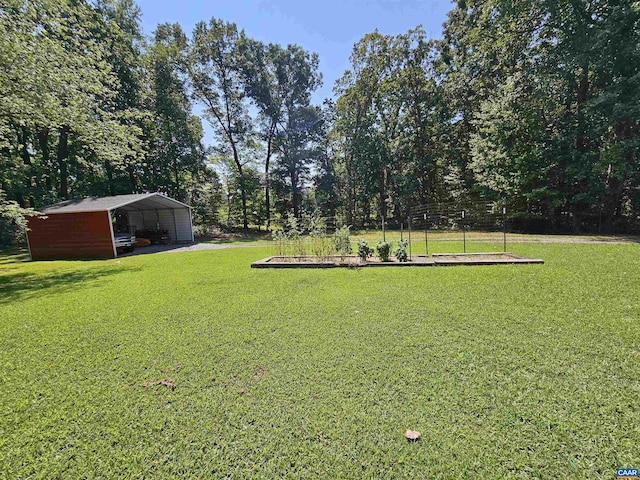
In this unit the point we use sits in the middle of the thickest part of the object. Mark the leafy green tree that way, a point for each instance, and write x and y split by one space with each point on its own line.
389 117
278 81
215 71
13 223
297 146
546 106
176 155
58 89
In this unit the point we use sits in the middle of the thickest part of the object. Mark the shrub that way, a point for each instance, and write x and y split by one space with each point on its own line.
384 250
201 230
294 236
279 237
320 244
341 241
13 222
401 251
364 250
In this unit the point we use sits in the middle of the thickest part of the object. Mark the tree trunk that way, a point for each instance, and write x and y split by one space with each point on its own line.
228 209
294 194
351 191
176 179
109 170
26 158
43 140
383 194
133 180
245 220
63 159
267 200
243 192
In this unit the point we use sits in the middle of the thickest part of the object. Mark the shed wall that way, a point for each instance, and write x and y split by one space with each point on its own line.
70 235
141 221
180 231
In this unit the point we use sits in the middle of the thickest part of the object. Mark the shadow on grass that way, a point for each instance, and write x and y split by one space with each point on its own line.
631 238
25 285
11 255
6 259
237 238
154 249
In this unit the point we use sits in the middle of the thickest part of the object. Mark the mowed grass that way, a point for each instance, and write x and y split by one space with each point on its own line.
528 371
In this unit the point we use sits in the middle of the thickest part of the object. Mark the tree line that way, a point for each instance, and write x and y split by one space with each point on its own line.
533 104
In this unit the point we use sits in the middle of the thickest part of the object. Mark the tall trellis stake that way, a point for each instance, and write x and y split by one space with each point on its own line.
426 235
464 235
504 229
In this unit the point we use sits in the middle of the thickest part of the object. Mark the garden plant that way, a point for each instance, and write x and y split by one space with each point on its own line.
383 250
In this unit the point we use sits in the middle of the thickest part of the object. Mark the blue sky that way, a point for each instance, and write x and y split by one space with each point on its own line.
327 27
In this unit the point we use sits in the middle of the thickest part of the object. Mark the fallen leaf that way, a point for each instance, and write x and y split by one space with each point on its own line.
412 435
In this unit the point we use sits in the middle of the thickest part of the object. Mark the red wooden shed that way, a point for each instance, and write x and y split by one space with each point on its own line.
87 228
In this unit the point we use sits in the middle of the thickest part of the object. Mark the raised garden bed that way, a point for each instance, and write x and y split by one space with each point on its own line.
438 259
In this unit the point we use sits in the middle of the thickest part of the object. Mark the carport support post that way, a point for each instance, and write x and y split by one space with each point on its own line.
113 237
175 226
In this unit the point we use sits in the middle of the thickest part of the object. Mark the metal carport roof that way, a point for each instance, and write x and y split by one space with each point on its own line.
142 201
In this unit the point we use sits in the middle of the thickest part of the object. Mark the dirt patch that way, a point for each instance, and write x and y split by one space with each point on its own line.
170 383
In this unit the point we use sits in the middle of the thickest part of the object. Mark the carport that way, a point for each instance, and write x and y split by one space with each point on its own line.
86 228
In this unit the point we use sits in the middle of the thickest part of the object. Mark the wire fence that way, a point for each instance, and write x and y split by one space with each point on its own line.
453 228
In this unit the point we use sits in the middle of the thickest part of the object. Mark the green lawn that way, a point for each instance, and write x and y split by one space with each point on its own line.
526 371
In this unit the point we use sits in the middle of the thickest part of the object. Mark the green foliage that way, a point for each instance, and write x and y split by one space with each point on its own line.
364 250
390 123
13 223
383 250
341 240
215 67
294 236
401 251
533 104
176 158
279 237
539 133
321 244
279 82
